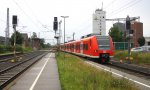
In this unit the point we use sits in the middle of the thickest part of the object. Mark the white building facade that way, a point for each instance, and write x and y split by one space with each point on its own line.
99 22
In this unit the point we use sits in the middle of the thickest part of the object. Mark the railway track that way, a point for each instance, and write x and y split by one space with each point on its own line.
10 71
8 56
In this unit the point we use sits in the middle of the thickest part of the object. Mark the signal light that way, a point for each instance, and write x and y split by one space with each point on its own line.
55 24
128 24
14 20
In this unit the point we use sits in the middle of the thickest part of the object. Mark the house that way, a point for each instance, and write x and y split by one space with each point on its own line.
25 42
2 40
36 43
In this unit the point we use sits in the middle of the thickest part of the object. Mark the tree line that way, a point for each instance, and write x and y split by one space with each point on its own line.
119 36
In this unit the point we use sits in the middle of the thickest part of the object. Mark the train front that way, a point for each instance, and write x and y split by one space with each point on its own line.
106 48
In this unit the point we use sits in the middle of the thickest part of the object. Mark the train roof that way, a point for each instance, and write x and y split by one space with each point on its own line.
92 34
88 36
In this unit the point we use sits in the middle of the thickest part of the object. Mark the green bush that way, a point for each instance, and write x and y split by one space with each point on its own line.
1 48
8 48
19 48
27 49
138 57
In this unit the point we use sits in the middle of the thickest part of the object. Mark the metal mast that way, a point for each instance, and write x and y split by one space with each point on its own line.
7 29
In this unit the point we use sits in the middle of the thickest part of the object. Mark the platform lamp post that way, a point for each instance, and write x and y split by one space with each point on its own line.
14 23
64 28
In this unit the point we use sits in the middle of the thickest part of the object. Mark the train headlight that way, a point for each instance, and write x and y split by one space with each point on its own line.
95 50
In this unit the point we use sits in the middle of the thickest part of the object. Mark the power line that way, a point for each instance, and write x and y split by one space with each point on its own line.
25 14
110 4
127 5
33 13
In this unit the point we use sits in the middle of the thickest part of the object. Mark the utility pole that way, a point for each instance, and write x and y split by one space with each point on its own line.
64 30
128 27
7 29
64 25
60 33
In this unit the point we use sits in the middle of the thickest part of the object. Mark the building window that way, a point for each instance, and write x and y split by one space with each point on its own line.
148 43
103 17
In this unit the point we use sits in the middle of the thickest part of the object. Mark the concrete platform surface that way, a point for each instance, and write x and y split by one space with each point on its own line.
42 76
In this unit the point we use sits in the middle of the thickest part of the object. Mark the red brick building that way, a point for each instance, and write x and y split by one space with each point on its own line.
35 43
25 39
137 28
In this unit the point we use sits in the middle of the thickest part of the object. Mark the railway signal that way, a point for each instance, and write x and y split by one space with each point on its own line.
128 23
55 24
128 28
14 23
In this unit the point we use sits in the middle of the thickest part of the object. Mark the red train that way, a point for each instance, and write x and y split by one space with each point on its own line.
93 45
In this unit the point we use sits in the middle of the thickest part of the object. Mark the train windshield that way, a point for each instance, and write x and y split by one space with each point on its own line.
103 42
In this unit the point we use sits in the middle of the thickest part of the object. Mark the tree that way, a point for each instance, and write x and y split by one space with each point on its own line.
34 35
116 34
19 38
42 41
141 41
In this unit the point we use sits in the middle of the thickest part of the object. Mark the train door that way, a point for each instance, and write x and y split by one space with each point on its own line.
74 47
90 47
81 47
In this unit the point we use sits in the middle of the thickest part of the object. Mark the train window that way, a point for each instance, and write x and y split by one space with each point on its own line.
81 46
103 42
86 46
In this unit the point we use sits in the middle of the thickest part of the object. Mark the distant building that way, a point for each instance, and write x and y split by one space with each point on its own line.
137 28
2 40
35 43
25 42
147 41
99 22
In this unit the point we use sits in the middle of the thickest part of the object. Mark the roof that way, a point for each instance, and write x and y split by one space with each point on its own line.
24 35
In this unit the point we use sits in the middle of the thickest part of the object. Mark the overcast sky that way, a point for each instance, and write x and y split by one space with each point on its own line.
37 15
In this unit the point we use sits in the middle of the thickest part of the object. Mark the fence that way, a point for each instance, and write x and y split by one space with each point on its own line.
122 45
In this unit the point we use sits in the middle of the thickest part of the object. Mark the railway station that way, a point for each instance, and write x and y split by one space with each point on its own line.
74 45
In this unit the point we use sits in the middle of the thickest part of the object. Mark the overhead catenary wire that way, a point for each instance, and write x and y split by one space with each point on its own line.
126 6
110 4
120 9
33 13
26 14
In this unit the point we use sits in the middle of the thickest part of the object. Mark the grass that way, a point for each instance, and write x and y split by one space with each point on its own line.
76 75
138 58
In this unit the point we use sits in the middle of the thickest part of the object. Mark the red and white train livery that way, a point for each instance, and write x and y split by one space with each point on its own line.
93 46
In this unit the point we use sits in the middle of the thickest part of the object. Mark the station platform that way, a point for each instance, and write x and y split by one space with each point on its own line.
41 76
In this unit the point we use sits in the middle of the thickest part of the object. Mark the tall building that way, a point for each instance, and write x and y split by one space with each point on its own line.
137 28
99 22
